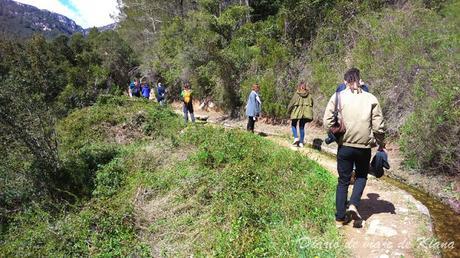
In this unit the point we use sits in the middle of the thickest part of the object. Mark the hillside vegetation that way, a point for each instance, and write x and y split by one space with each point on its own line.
145 185
88 172
42 82
408 52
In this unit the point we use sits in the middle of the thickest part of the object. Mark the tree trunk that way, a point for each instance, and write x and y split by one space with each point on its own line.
248 17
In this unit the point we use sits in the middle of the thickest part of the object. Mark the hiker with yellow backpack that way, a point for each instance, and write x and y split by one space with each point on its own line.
187 98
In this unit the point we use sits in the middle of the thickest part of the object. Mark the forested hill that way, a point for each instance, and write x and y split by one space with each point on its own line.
19 20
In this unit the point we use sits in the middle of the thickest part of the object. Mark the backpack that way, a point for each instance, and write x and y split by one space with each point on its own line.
187 94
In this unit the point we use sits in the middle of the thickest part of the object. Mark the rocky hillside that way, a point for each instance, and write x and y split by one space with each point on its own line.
22 21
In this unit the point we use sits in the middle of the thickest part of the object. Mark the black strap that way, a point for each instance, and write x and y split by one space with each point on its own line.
336 108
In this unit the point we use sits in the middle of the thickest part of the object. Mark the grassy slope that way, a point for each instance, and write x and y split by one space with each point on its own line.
159 189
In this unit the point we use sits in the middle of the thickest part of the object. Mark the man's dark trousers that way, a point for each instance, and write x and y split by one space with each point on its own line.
346 157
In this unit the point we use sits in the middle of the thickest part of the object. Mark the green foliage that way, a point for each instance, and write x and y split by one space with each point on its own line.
101 228
254 199
426 136
218 54
88 139
97 171
110 178
407 57
98 64
42 81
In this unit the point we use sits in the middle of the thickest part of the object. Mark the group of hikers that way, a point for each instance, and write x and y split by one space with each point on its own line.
353 118
142 89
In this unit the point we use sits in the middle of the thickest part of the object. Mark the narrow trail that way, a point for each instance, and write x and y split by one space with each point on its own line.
394 220
396 224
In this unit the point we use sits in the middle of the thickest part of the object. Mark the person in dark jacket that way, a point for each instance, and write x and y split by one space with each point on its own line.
161 92
135 89
301 112
253 107
343 86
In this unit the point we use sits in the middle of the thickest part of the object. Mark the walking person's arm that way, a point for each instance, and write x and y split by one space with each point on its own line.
328 119
292 103
258 106
378 125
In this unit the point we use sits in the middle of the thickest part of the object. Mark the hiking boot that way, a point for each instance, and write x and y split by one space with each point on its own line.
343 222
296 142
339 223
353 214
301 145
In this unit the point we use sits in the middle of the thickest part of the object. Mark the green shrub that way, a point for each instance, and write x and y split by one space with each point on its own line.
79 167
428 139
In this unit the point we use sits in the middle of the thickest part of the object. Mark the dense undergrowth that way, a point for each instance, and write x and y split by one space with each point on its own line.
150 186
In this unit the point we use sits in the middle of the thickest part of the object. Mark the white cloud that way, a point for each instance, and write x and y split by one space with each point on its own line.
96 12
90 13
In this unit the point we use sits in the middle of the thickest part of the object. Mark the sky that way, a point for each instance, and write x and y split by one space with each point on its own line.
86 13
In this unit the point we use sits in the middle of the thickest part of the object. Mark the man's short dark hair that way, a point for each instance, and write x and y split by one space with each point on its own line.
352 75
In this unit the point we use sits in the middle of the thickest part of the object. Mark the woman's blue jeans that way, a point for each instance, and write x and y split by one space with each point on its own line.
302 123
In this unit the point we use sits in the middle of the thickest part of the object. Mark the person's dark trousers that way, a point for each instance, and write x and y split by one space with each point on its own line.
251 123
188 108
346 157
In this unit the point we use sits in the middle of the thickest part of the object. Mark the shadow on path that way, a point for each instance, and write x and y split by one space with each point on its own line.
373 205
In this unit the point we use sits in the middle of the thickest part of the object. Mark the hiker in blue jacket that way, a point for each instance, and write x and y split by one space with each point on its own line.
253 107
145 89
343 86
161 92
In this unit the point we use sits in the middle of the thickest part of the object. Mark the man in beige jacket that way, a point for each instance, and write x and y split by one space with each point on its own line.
365 128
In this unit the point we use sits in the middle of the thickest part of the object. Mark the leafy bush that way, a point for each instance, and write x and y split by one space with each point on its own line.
99 219
88 139
42 81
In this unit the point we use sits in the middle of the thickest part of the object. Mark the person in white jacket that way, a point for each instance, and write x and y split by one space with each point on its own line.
361 113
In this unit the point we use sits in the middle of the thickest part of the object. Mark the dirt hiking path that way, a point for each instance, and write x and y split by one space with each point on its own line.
396 224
